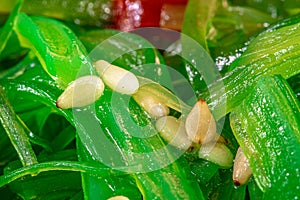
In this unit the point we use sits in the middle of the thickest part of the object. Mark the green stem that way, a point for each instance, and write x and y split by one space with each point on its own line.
15 132
56 166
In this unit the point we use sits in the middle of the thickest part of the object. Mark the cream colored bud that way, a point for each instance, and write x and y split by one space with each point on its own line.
173 131
117 78
118 198
217 153
151 105
101 66
241 168
200 124
81 92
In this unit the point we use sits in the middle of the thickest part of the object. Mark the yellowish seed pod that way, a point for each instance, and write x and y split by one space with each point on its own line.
217 153
117 78
200 124
153 106
173 131
118 198
81 92
241 168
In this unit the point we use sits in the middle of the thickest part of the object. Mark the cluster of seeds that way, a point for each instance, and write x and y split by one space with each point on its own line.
197 130
87 89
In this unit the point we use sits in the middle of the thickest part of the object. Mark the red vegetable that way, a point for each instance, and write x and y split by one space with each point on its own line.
131 14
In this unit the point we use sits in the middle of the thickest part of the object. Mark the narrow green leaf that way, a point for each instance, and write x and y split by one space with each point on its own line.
198 14
56 166
266 125
8 27
275 51
58 49
16 132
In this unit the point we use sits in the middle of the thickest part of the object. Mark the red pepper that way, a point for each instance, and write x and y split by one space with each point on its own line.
131 14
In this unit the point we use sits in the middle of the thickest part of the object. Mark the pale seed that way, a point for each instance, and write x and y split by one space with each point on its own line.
217 153
117 78
151 105
241 168
81 92
173 131
200 124
118 198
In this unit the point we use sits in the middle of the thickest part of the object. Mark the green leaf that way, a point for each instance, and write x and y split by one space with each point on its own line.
224 188
99 187
142 152
275 51
231 29
172 182
51 179
220 186
8 152
48 185
197 16
8 27
266 125
127 50
203 170
34 84
254 191
59 51
89 13
295 84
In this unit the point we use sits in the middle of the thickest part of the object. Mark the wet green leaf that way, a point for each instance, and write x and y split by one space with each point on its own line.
266 126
